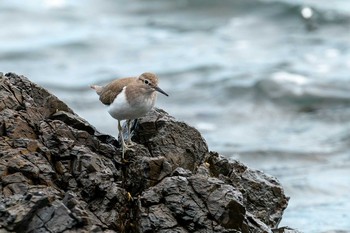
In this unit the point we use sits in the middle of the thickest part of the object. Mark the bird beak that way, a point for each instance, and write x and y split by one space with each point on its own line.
161 91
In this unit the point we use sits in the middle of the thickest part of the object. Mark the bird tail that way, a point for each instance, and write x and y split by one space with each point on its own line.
97 88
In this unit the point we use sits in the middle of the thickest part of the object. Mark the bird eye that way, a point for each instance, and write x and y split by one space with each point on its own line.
146 82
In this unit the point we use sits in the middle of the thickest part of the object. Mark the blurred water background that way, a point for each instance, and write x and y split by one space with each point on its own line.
265 81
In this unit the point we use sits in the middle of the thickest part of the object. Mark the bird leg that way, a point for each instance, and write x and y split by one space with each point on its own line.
120 129
129 142
124 146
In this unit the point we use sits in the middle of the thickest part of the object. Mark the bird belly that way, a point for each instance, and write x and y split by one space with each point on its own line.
120 108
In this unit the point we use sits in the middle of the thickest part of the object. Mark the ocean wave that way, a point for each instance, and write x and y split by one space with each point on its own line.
293 88
322 11
318 10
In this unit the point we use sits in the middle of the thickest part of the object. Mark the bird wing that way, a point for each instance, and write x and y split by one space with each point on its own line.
111 90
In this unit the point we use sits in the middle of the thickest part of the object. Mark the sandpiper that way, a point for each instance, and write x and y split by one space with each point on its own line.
129 98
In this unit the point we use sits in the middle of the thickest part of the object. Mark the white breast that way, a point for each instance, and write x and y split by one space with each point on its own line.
120 109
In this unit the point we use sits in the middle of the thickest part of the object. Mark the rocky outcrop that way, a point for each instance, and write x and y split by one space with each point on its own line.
59 174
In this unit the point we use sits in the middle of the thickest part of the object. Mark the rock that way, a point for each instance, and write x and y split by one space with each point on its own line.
287 230
263 195
59 174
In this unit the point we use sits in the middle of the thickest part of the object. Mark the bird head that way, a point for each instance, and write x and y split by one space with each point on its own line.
150 82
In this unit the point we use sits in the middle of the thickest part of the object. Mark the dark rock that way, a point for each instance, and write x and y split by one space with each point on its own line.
164 136
290 230
263 195
58 174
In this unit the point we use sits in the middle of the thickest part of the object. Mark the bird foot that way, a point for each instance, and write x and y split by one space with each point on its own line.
125 148
130 143
128 147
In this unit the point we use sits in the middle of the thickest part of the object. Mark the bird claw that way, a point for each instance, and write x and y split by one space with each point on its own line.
129 148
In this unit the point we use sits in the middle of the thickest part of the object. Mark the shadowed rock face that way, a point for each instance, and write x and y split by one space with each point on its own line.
58 174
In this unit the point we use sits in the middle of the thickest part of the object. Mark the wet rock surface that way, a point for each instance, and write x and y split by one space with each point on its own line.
59 174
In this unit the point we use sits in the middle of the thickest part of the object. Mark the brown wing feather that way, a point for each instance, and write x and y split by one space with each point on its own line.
111 90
